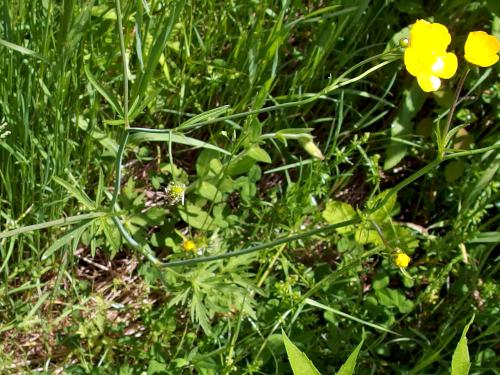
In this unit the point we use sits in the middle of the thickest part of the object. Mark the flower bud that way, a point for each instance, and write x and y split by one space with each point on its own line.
311 148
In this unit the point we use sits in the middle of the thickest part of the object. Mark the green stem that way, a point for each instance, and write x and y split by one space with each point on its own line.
54 223
125 62
444 138
268 245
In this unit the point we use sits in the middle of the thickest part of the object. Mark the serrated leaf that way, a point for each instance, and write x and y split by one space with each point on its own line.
349 365
460 362
336 212
301 365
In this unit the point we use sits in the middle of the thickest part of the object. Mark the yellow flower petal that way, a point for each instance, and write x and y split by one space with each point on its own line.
481 48
412 61
445 66
428 82
402 260
429 36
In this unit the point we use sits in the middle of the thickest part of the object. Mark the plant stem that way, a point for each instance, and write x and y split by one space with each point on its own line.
54 223
125 62
442 146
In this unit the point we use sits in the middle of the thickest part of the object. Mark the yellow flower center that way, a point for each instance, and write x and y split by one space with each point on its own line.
188 245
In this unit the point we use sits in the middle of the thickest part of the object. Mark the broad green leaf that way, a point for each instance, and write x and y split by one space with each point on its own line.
208 162
209 191
336 212
364 236
349 365
380 281
394 298
301 365
383 212
240 165
460 362
196 217
259 154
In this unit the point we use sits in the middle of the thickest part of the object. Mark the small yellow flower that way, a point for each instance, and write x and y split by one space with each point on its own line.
189 245
401 259
426 57
481 49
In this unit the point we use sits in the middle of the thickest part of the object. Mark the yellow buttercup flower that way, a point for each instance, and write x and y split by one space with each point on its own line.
189 245
481 49
426 57
401 259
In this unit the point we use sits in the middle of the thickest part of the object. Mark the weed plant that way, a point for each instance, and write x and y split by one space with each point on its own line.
201 187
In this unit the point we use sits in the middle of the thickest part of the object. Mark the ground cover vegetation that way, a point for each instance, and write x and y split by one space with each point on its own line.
249 187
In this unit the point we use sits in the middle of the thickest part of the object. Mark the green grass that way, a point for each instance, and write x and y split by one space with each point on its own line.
219 100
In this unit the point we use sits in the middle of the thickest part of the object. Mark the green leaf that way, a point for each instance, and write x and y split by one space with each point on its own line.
168 136
240 165
74 234
205 116
365 236
160 41
336 212
383 212
454 170
156 367
402 125
196 217
106 93
209 191
349 365
21 49
460 362
394 298
301 365
76 193
380 281
259 154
